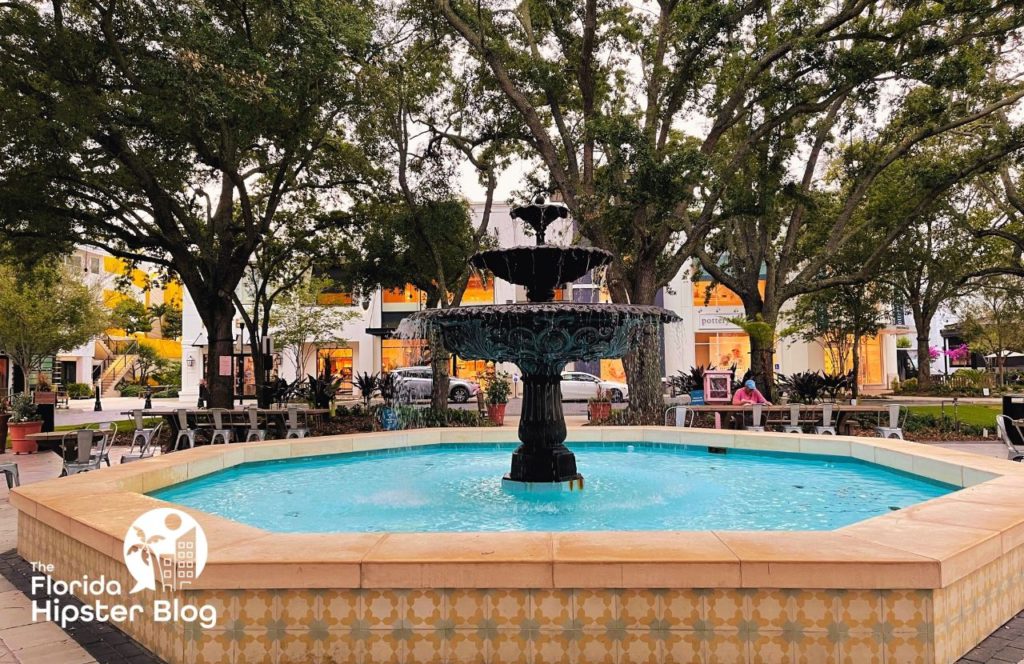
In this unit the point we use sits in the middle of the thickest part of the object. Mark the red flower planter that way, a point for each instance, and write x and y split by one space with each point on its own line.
600 411
18 432
496 413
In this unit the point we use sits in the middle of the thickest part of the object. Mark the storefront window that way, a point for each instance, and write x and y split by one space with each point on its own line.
870 362
475 370
329 299
398 353
706 295
245 377
337 361
4 376
478 292
613 370
723 349
408 295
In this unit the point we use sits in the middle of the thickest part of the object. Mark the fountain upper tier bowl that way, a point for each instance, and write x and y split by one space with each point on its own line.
541 337
542 268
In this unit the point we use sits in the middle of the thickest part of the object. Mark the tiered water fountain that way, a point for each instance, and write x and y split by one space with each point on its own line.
540 337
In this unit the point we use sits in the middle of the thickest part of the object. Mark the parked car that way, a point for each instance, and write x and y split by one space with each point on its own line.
580 386
418 382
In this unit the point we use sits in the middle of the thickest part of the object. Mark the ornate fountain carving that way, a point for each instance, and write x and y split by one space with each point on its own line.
540 336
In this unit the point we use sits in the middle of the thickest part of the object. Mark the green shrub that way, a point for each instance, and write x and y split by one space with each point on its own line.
411 417
168 393
79 390
127 390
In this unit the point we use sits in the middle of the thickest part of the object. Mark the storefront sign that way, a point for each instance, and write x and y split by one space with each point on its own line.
717 319
225 366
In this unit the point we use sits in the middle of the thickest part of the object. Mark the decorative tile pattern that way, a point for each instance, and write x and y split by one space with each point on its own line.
658 626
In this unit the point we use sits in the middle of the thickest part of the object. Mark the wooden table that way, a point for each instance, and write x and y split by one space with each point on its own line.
842 411
50 440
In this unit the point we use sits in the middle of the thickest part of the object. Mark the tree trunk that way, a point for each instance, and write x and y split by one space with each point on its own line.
440 359
643 373
924 361
217 315
762 365
855 353
259 367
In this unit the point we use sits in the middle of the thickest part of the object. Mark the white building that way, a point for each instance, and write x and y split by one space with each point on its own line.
703 337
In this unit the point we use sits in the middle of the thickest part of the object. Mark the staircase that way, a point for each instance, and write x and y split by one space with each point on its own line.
121 357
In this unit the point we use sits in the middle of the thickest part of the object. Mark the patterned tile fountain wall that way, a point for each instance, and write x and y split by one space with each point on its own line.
563 625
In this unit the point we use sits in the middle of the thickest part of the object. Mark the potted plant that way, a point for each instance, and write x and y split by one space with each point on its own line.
497 397
600 406
24 421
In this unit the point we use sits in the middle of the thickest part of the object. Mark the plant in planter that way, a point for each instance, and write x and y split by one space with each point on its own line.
368 385
320 392
697 383
497 397
388 385
24 420
600 406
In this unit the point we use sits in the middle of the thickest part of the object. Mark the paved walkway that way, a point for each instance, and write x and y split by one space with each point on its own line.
25 642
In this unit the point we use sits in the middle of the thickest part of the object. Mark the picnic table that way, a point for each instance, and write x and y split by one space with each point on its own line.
201 418
50 440
842 411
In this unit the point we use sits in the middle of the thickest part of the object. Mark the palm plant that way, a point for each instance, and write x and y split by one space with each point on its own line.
368 384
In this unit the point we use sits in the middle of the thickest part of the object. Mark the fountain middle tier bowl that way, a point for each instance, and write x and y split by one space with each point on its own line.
540 337
541 268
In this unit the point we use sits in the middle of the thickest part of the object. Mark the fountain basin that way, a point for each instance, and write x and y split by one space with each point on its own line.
541 268
921 584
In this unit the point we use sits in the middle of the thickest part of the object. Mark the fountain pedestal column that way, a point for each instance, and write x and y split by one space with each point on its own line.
542 457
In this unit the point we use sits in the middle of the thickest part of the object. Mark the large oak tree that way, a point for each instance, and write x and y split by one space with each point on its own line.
175 132
674 129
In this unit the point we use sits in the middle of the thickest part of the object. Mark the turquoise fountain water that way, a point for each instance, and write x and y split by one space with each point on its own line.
629 487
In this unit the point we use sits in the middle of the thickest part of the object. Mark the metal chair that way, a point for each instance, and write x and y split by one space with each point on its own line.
756 418
683 416
254 432
1003 424
185 431
109 430
829 420
294 429
142 432
794 425
145 441
897 417
84 458
10 471
219 429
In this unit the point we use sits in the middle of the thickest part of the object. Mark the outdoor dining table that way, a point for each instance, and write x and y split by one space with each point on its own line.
50 440
842 410
236 419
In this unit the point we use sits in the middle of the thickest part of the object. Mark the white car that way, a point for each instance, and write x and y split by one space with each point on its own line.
419 382
580 386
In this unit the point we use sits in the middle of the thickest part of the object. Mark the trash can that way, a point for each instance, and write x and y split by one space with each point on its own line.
1014 408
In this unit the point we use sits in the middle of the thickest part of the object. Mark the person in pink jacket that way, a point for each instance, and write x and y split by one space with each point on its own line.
749 395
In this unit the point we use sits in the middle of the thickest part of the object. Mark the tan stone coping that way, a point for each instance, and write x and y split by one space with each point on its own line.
929 545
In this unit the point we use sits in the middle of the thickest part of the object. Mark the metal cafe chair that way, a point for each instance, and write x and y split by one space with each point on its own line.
829 420
143 435
897 417
185 430
793 425
255 432
10 471
144 441
221 429
681 417
756 418
294 429
81 457
109 431
1003 424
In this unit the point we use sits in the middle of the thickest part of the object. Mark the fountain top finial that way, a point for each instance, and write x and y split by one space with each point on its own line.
540 214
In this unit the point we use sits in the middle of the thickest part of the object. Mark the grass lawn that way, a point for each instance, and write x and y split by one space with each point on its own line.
979 415
123 426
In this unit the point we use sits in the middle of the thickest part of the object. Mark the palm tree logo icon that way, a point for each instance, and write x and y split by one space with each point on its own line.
164 548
